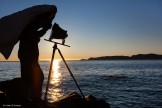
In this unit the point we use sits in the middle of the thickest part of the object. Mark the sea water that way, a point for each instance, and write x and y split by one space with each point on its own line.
123 84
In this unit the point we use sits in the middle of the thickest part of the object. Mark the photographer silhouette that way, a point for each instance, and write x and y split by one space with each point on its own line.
31 73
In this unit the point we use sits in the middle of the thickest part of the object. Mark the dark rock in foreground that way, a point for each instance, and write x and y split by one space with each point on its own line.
11 96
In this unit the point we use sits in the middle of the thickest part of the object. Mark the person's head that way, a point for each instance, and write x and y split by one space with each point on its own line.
44 19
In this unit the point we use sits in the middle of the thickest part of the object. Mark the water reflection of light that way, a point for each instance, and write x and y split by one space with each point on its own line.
55 69
56 79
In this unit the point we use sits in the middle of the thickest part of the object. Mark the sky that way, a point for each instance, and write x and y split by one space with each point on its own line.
98 27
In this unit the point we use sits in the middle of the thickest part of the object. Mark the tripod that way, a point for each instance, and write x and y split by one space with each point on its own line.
51 64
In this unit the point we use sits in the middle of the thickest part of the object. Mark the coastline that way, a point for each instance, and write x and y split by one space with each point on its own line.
133 57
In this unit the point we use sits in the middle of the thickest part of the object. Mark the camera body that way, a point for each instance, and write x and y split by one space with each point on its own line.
58 33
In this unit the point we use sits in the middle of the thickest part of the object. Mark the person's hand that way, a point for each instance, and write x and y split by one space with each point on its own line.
47 26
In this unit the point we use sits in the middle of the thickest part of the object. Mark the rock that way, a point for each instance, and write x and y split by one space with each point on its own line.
12 89
74 100
12 94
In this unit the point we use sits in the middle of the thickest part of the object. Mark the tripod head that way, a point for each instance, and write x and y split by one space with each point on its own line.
56 42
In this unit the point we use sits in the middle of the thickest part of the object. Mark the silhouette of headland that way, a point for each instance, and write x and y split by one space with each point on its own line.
133 57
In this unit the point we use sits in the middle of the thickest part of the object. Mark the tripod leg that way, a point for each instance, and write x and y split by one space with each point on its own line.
50 70
71 73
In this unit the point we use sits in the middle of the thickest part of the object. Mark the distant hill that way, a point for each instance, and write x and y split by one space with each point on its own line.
133 57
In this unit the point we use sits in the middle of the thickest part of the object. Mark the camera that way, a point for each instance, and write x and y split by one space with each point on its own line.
58 33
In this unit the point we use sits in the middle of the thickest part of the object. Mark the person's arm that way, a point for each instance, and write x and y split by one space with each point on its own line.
43 30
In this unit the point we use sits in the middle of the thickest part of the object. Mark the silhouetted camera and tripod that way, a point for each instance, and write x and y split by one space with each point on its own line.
58 33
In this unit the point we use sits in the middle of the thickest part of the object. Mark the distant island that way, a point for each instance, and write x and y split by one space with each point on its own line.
133 57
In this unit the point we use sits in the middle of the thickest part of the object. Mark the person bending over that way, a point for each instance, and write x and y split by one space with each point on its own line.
31 73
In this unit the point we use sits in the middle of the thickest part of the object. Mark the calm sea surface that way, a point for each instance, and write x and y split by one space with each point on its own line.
124 84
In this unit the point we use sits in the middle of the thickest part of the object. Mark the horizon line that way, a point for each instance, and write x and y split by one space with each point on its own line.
48 60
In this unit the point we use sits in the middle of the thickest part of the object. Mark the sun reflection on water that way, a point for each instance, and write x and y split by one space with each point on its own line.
55 91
